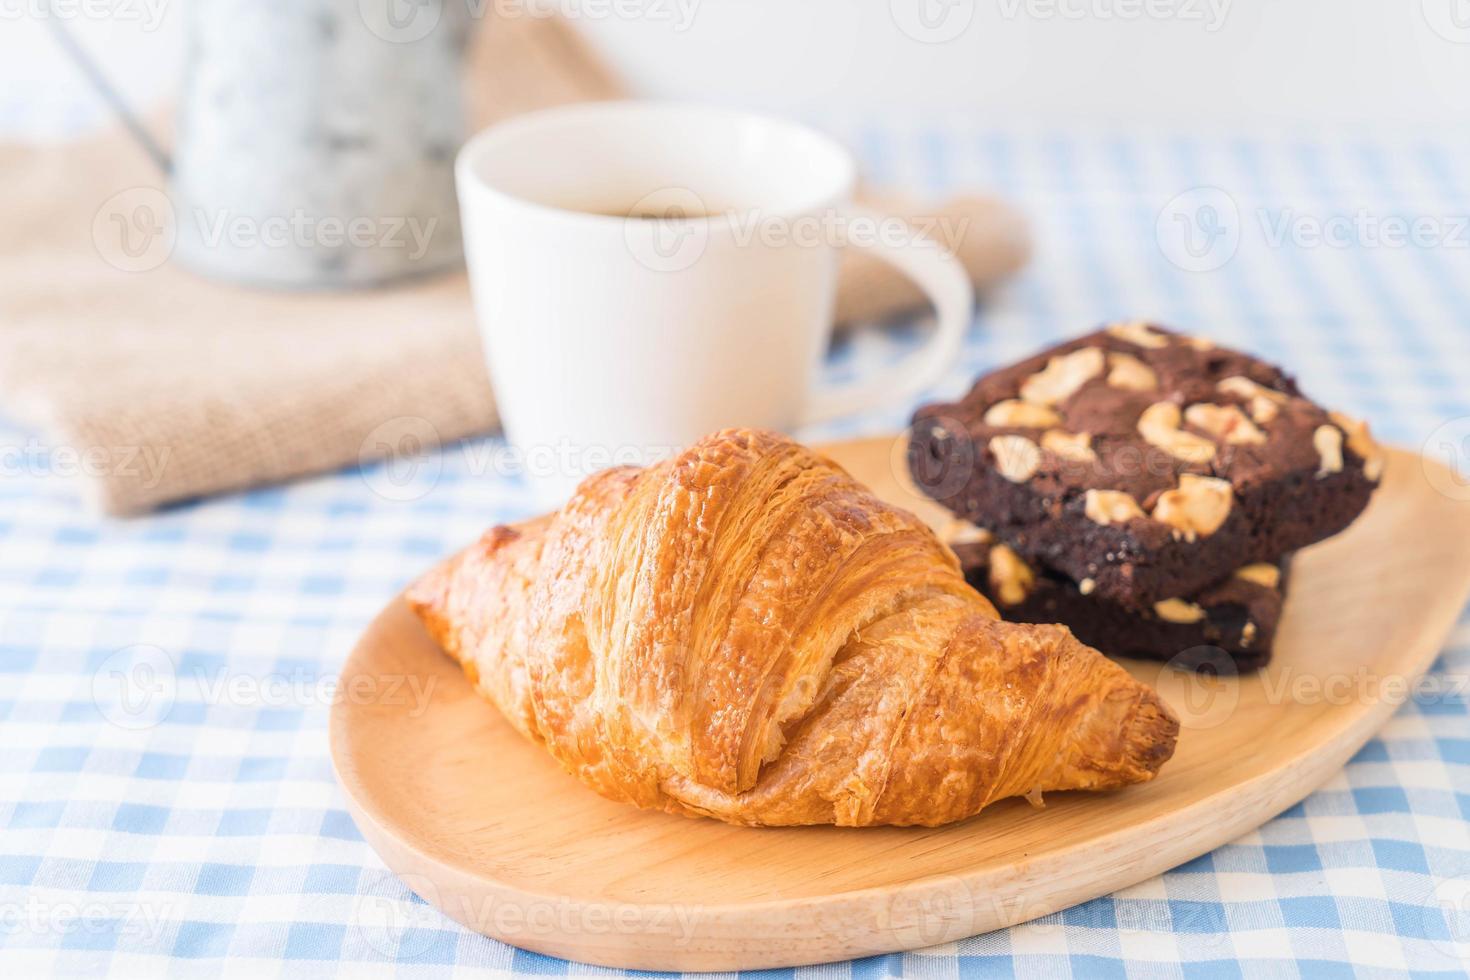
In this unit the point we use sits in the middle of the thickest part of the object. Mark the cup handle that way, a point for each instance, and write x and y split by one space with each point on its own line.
941 276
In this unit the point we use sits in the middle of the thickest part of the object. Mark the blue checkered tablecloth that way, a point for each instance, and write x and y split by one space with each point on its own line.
165 790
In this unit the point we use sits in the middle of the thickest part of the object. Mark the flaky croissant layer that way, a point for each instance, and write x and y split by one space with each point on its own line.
746 632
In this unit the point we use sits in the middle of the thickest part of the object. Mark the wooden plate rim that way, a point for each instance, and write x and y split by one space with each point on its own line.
1353 726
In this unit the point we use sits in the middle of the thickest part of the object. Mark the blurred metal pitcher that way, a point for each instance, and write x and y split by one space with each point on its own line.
316 140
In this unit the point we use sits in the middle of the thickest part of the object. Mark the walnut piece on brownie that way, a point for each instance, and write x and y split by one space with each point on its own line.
1229 626
1147 462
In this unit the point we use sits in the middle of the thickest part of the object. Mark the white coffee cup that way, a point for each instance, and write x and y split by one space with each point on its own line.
613 339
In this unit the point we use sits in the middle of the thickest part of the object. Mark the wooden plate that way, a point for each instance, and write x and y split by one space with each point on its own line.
487 828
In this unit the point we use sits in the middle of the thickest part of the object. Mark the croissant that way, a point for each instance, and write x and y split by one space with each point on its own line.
746 632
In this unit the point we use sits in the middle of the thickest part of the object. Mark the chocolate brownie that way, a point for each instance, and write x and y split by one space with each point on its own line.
1151 463
1230 625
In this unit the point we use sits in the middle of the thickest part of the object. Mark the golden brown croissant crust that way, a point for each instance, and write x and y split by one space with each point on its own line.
746 632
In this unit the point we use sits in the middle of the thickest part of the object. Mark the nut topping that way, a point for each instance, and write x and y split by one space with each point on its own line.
1026 415
1225 422
1261 573
961 531
1128 372
1246 388
1197 508
1159 426
1263 409
1110 507
1016 457
1327 440
1360 441
1139 333
1073 446
1011 578
1062 376
1264 403
1178 611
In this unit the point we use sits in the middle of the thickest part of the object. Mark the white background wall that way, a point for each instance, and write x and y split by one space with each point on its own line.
1379 63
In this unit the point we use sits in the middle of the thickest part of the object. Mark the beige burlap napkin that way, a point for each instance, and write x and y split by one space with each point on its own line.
155 385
